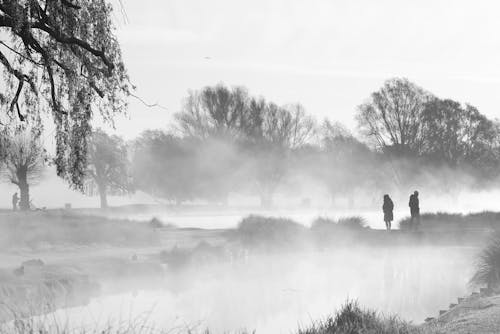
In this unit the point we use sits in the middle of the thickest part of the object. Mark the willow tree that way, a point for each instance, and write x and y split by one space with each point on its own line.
24 162
61 56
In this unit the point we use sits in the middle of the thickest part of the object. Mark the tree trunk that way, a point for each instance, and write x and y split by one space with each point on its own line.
24 202
103 196
24 189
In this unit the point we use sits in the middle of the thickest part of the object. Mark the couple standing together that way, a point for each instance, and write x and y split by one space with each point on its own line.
414 205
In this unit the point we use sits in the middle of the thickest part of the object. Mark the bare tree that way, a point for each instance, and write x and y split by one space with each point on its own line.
283 129
346 164
108 166
24 163
217 111
63 55
391 116
167 166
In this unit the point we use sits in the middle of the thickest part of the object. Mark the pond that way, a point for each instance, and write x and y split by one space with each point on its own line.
277 293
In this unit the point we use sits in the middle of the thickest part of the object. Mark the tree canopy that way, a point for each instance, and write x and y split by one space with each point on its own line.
166 166
108 166
391 116
61 56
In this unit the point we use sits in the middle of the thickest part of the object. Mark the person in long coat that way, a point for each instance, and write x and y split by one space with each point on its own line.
414 211
388 209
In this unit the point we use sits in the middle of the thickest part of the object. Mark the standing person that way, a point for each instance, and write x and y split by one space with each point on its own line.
414 211
388 208
15 200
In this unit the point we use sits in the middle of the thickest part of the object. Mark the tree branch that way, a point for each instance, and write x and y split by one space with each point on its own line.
20 54
69 4
147 104
61 38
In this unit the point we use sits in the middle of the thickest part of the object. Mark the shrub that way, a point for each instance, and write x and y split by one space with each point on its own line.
176 257
488 265
343 231
438 220
352 223
271 231
447 221
322 224
351 318
155 223
203 253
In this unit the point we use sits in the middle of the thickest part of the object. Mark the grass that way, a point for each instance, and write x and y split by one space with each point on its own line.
257 230
343 224
352 319
43 285
41 230
487 273
273 232
204 253
456 221
344 231
51 325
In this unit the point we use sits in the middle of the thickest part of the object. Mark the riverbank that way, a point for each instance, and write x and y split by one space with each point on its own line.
479 315
288 261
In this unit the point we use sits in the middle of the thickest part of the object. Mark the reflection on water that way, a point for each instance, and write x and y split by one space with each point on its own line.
277 293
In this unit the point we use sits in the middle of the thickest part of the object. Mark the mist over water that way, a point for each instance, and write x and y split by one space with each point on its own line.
431 201
279 292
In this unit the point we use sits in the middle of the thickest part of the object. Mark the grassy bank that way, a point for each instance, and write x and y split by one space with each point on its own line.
455 221
41 230
351 318
282 233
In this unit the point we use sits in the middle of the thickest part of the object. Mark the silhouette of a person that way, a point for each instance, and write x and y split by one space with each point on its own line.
15 200
414 210
388 208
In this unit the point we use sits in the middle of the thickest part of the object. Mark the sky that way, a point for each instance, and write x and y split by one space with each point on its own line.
327 55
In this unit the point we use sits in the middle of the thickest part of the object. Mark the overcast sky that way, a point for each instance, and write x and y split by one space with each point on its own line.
328 55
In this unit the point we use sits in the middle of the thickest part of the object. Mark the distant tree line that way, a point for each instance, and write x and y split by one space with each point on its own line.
226 141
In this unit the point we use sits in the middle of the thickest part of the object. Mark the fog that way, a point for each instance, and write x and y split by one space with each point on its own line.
183 166
270 292
184 201
280 292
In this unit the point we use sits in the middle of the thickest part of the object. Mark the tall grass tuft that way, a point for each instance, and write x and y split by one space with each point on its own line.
354 223
351 318
344 231
488 265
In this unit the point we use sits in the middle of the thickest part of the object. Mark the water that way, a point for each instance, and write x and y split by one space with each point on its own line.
277 293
